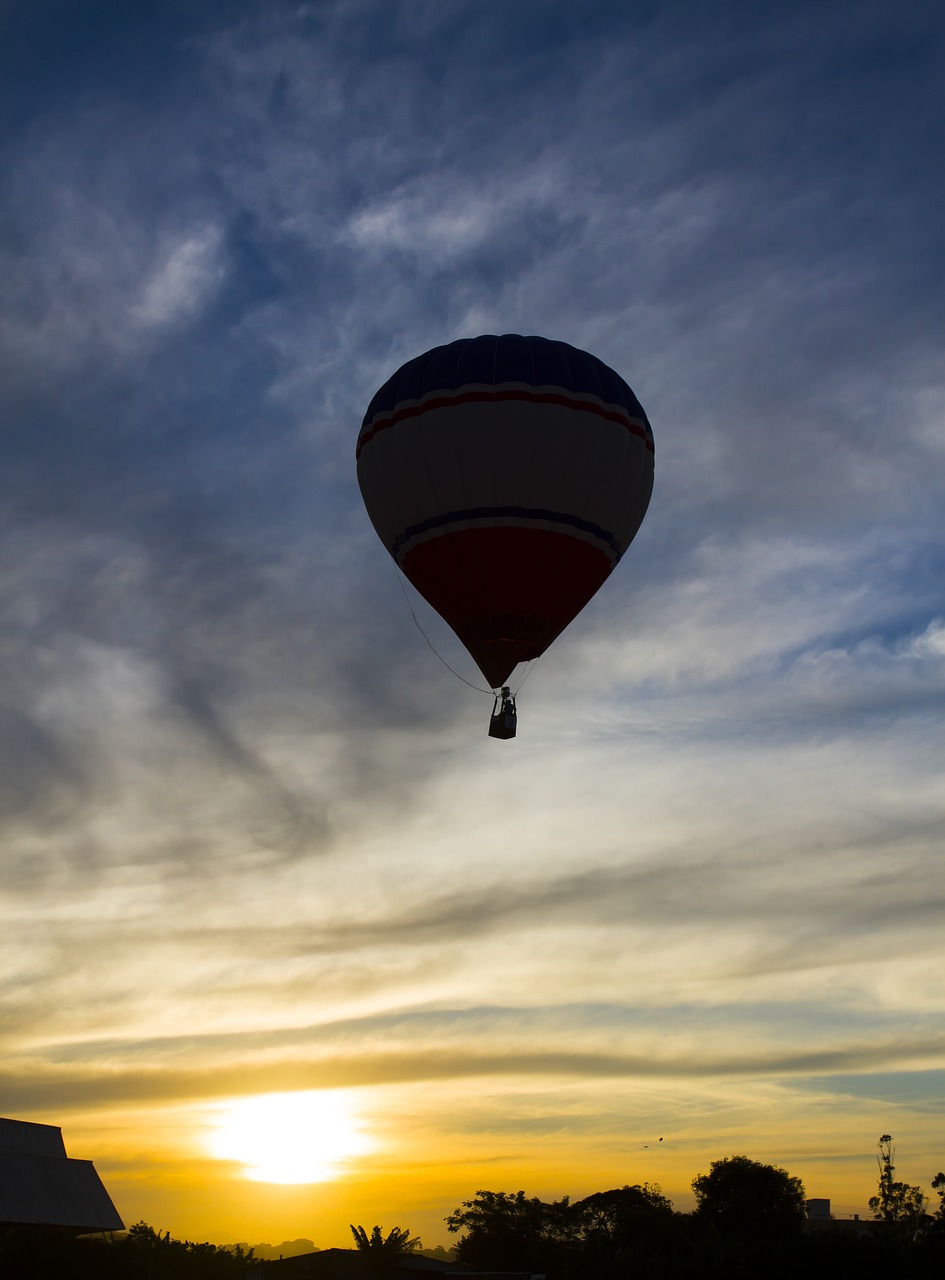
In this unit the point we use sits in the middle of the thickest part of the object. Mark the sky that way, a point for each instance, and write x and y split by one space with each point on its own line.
255 839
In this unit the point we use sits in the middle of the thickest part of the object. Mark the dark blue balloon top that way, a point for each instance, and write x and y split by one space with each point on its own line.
491 360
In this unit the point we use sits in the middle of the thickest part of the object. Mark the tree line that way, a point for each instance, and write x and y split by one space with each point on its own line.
748 1222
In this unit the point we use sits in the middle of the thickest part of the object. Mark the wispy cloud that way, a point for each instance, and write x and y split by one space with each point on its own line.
186 274
253 832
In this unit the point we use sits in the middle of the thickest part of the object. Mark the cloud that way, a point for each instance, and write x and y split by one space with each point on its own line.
187 273
254 833
91 276
46 1088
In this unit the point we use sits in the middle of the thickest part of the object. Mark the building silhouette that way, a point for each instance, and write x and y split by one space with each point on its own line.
41 1186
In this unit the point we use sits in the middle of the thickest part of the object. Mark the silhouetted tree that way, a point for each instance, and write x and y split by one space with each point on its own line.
622 1224
611 1218
745 1228
395 1244
938 1183
895 1201
157 1255
745 1195
512 1232
933 1237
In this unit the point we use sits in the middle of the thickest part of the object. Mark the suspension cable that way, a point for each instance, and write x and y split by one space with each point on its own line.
400 579
529 668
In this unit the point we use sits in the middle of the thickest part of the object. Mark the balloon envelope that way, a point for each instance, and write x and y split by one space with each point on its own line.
506 476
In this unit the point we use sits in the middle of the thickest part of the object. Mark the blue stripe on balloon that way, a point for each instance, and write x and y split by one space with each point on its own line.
503 513
491 359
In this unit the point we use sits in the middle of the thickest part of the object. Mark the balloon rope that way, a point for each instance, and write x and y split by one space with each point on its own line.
400 579
528 670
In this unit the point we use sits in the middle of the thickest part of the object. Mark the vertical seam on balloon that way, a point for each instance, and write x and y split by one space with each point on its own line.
531 452
482 583
572 552
463 479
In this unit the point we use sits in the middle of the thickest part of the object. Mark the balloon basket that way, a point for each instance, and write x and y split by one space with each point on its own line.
504 718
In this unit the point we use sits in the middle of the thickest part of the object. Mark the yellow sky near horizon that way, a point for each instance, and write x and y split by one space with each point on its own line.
624 943
434 1145
621 943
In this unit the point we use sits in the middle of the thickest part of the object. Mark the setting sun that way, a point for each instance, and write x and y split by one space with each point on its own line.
288 1137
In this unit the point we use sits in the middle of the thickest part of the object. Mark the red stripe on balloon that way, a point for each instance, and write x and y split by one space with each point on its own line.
491 397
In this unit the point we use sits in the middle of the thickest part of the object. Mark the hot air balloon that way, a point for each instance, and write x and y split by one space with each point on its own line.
506 476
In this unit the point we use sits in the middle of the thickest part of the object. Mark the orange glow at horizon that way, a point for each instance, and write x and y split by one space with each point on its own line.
289 1138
